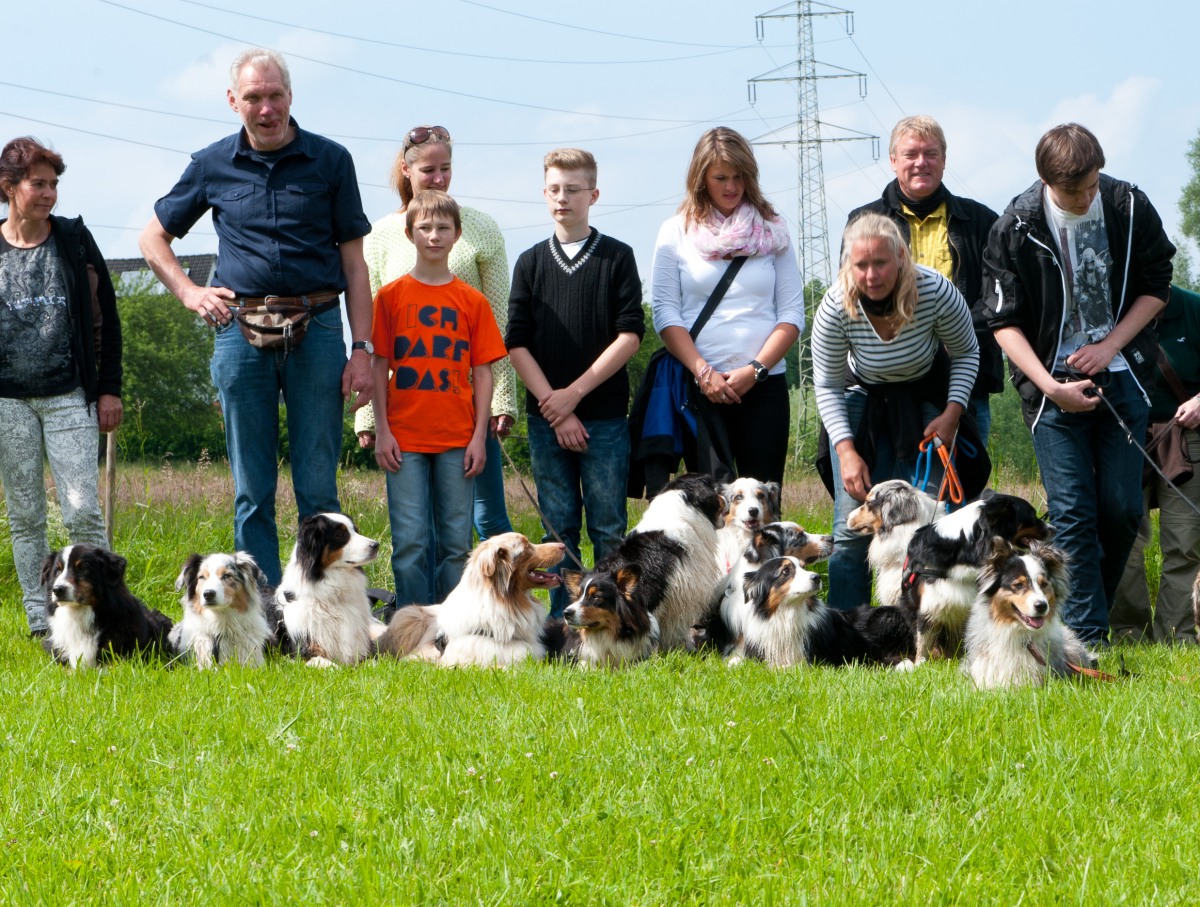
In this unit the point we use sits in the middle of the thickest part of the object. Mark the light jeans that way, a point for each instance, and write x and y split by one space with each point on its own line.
429 483
66 430
251 383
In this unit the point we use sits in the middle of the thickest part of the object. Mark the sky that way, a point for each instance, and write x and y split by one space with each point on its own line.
125 90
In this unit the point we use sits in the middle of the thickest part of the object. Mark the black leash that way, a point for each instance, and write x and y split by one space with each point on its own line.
533 501
1132 440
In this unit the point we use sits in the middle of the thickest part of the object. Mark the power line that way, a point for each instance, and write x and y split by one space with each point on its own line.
397 81
596 31
461 53
390 140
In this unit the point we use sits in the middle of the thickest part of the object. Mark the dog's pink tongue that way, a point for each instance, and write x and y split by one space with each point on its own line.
1036 622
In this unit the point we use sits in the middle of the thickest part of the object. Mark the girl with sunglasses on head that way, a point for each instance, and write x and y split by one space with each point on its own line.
479 259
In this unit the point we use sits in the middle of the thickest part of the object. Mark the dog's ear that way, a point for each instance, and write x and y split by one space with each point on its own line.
1001 548
113 566
634 619
310 547
993 565
496 562
49 567
774 499
627 579
485 558
573 580
254 577
188 574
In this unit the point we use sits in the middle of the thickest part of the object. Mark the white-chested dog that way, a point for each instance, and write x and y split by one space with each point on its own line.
224 616
892 512
1015 635
750 505
687 511
323 594
491 618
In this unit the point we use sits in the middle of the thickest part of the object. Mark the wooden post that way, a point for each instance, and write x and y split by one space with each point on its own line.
110 484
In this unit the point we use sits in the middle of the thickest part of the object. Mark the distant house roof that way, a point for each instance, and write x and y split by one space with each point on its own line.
199 268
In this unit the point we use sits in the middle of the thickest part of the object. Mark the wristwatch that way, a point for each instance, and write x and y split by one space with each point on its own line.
760 371
366 345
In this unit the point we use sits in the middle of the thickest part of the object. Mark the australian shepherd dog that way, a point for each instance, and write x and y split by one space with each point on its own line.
722 625
751 505
225 618
892 512
941 577
788 624
323 594
687 512
608 622
491 618
92 614
1015 636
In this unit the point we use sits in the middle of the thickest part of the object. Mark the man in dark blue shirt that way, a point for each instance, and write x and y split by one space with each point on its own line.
289 221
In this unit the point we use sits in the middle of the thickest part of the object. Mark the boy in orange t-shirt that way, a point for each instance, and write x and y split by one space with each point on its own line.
435 340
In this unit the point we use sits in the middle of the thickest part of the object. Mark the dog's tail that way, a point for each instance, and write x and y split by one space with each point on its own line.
411 631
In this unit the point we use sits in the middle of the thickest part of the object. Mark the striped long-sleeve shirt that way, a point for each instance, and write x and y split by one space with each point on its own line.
942 317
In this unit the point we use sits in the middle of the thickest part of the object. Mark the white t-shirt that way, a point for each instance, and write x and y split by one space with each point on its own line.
1084 254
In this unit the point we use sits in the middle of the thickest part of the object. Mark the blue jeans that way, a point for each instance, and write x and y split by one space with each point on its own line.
429 483
251 383
569 483
981 409
849 573
1093 481
491 511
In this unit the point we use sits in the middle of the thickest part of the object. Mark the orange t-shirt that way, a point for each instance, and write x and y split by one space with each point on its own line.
432 336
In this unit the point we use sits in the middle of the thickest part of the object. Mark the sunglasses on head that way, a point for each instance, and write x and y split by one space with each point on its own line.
423 134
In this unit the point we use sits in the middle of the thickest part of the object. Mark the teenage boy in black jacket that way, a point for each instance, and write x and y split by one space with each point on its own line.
1080 355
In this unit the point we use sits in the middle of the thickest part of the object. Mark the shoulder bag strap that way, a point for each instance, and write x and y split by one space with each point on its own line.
1168 372
718 293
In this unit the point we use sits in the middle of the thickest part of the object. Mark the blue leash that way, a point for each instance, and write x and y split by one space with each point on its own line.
925 457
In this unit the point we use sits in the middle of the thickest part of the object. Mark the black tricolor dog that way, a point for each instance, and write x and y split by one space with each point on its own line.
92 614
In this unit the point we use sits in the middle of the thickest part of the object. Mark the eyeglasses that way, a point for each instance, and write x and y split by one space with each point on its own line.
423 134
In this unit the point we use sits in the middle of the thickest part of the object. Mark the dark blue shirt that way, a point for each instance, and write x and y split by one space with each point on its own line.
279 215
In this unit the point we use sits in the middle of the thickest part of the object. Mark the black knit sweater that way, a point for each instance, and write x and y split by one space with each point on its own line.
566 312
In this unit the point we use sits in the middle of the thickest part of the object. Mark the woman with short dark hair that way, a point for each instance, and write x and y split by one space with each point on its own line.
60 364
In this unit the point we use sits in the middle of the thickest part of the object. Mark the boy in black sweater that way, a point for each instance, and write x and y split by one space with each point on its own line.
574 321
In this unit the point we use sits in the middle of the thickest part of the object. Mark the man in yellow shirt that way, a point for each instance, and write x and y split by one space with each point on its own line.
945 232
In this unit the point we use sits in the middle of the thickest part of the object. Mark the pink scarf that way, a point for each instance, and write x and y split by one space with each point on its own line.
745 232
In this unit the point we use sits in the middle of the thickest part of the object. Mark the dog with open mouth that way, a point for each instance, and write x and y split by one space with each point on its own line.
1015 635
491 618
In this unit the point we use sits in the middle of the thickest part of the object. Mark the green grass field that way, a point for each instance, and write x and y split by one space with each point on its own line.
677 782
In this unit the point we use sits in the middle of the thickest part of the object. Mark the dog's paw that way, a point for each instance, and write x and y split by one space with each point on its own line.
906 666
733 661
320 661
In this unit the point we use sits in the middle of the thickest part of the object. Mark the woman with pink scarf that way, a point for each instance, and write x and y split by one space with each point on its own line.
740 393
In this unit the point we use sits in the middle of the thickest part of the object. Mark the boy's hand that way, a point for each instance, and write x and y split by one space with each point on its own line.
474 458
558 405
387 452
1092 358
571 434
